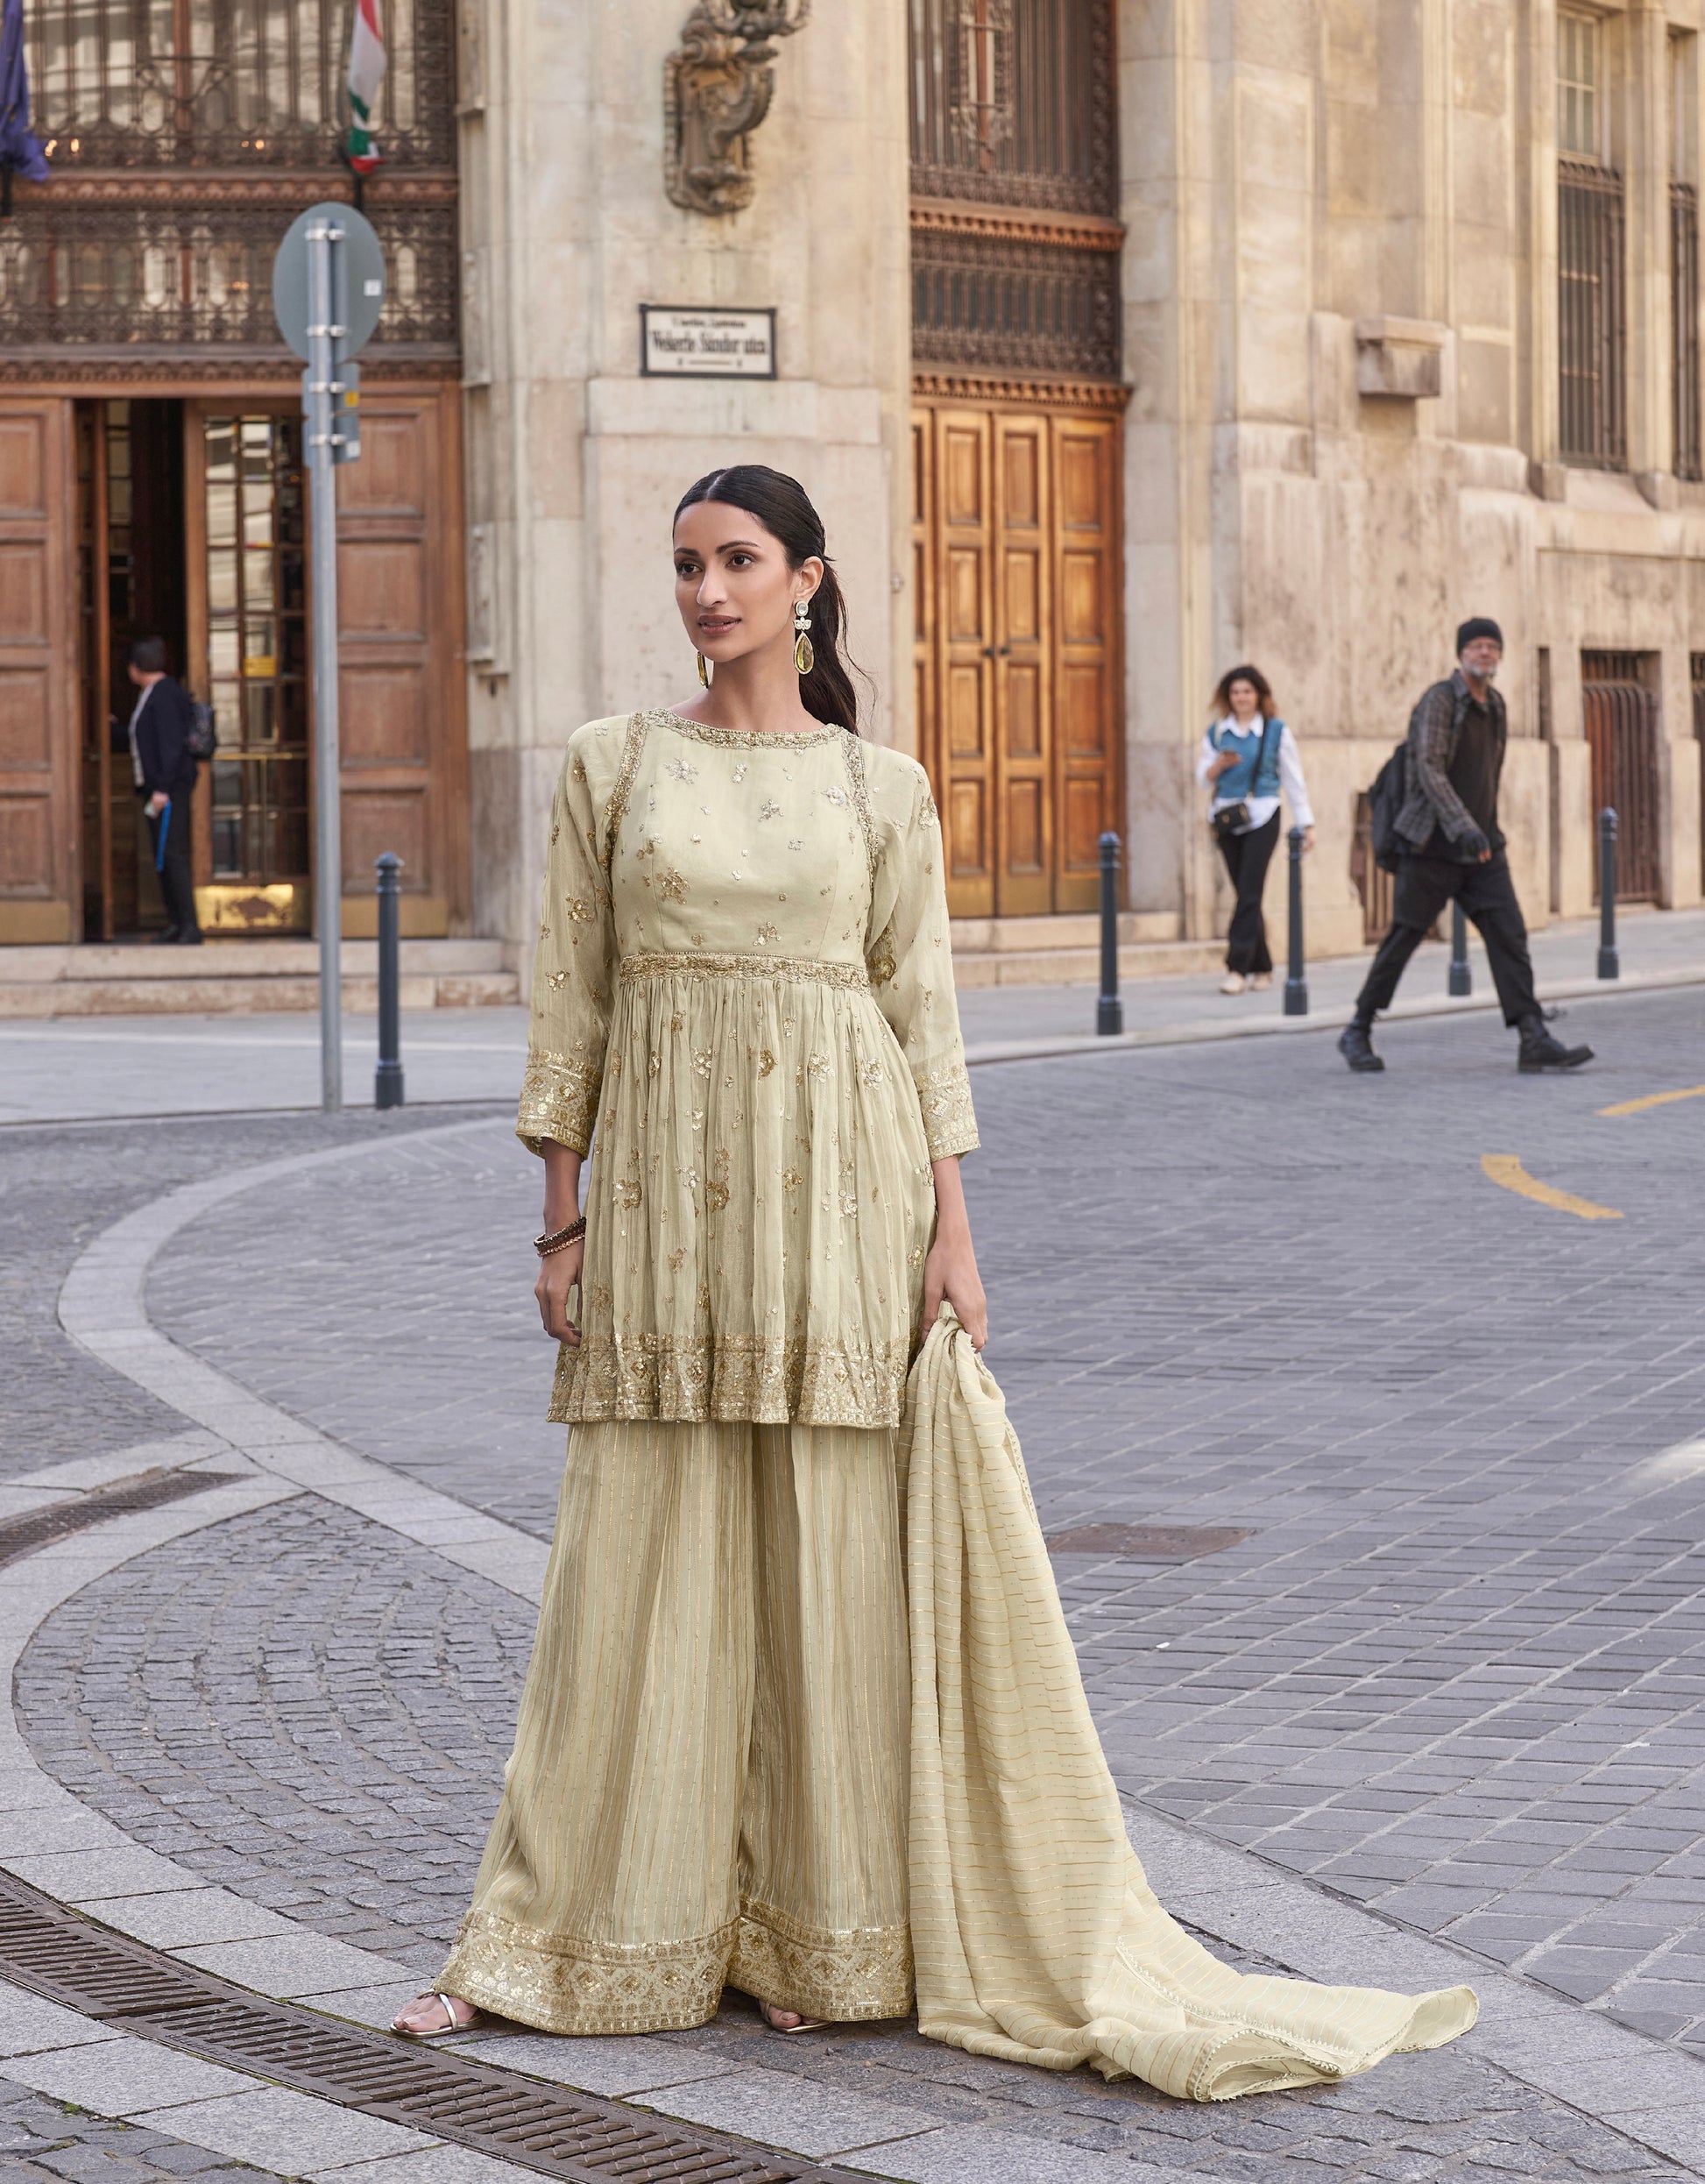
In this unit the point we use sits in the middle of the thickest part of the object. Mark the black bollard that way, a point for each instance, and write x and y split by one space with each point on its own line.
1296 982
1608 964
1461 974
387 1078
1109 1010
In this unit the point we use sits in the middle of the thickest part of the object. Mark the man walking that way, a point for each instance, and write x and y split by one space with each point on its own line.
1452 850
165 769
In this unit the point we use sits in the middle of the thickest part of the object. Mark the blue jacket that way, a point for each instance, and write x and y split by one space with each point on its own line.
1248 778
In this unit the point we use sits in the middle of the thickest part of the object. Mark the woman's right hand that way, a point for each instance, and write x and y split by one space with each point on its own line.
1221 762
558 1273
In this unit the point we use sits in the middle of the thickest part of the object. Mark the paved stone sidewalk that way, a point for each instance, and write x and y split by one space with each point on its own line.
1456 1671
1405 1450
47 2139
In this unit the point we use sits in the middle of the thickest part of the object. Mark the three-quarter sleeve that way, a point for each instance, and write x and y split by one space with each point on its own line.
573 970
909 950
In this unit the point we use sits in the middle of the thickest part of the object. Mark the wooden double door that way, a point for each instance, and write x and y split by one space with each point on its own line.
1017 578
184 517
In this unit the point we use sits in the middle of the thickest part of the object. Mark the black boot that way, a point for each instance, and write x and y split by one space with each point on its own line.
1357 1048
1540 1051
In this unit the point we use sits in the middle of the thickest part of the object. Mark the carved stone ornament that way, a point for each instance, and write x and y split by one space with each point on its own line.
718 84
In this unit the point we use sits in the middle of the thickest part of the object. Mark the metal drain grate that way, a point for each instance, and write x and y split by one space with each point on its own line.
555 2132
1149 1542
22 1535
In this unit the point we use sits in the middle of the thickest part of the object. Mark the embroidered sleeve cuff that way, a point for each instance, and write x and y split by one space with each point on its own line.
559 1100
949 1120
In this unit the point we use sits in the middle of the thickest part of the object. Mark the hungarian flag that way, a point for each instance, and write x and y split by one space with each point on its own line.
367 66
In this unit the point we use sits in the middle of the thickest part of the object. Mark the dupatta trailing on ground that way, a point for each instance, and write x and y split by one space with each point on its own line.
1036 1938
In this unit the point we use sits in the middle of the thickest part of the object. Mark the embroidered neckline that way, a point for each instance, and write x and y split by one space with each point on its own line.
745 739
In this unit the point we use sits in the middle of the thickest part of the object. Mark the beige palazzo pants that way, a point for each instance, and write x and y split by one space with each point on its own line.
709 1782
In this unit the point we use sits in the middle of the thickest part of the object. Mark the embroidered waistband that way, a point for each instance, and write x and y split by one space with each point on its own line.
682 965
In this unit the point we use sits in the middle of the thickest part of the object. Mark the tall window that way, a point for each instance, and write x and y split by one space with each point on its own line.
1683 264
1592 333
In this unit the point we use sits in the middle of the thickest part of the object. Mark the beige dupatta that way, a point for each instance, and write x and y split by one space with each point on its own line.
1036 1935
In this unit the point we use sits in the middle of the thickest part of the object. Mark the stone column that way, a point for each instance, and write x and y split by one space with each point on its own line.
575 460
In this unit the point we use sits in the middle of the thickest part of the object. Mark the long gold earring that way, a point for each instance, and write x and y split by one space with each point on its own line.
703 672
804 658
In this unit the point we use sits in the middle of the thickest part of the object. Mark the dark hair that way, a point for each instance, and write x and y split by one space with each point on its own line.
782 504
148 655
1264 689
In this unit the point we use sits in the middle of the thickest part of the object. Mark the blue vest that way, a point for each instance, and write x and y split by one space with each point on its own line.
1245 781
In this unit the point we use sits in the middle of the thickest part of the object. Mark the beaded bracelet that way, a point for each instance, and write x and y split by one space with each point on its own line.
560 1240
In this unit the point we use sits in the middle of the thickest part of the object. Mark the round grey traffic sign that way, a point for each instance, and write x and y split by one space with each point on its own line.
362 281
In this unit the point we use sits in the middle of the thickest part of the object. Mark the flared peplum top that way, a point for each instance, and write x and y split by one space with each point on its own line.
744 979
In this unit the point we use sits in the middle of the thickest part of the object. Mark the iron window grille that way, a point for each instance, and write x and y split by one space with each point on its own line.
1684 326
1592 327
1619 708
1009 304
127 83
1012 102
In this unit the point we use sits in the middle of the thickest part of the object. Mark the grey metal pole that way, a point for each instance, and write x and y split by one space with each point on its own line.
1609 966
1295 982
1461 974
323 239
387 1078
1109 1008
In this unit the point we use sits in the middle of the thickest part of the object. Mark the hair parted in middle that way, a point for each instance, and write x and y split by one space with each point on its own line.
1263 691
782 505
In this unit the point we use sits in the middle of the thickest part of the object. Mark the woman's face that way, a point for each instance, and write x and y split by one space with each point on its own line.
732 583
1245 698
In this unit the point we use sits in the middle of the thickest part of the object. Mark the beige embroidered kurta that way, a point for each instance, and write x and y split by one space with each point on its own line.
744 978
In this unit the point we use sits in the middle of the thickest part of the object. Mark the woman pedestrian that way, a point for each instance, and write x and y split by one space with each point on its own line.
734 1765
1248 754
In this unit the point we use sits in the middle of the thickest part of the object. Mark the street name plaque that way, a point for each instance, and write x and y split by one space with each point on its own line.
675 343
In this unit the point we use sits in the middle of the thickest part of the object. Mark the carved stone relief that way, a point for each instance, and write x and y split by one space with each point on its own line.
718 84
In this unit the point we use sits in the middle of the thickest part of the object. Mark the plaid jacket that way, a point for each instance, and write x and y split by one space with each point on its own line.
1435 729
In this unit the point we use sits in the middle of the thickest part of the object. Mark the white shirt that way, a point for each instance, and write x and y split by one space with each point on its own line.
146 693
1291 777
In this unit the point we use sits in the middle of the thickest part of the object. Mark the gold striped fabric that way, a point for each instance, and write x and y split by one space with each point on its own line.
1036 1935
709 1778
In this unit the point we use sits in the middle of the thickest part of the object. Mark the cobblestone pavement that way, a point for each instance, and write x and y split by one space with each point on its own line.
60 1189
44 2139
299 1706
1453 1672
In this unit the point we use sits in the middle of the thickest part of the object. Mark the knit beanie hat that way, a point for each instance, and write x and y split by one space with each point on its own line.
1478 625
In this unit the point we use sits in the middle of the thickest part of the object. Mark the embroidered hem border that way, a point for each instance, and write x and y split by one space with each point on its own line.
564 1984
695 1379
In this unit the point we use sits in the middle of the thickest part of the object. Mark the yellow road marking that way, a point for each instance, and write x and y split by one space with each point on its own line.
1654 1099
1507 1171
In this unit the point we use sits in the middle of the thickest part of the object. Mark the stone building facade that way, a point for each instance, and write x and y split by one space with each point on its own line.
1118 340
1406 327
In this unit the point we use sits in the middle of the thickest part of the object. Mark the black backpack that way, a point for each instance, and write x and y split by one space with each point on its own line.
1385 800
202 738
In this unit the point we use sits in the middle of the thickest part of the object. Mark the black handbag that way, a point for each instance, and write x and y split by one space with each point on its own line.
1233 819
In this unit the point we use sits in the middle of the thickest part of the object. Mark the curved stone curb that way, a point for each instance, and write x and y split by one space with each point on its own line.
1603 2070
103 1307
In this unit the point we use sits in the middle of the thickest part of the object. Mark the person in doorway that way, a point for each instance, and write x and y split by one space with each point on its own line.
1248 755
1453 852
165 770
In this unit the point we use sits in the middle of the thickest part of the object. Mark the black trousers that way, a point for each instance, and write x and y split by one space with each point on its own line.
177 890
1247 859
1487 894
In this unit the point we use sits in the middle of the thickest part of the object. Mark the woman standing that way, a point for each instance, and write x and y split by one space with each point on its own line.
734 1763
1246 756
744 974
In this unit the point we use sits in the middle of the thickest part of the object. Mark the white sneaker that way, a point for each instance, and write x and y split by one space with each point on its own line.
1261 982
1233 983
